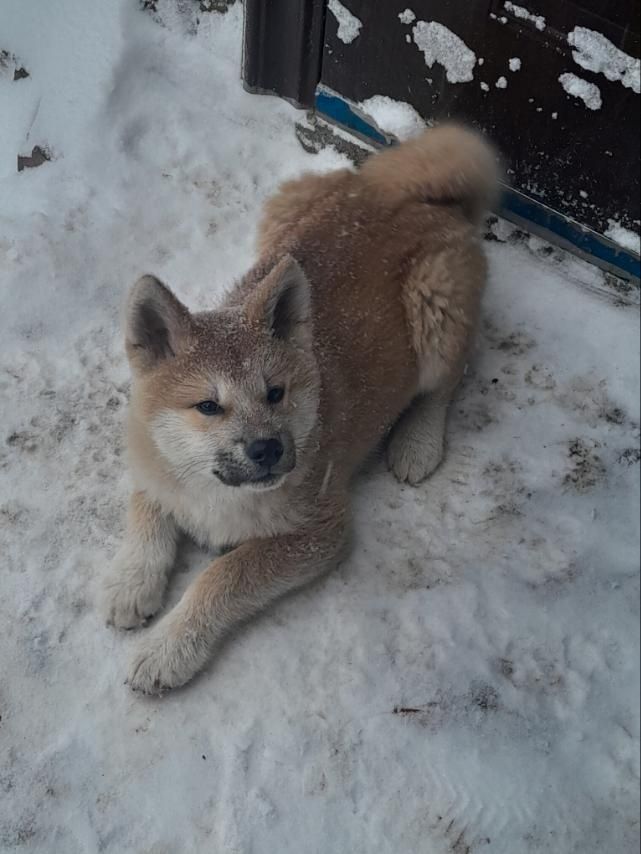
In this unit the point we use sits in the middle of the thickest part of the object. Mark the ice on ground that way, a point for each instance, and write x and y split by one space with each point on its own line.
515 64
594 52
525 15
394 117
625 237
588 92
466 680
349 26
501 83
441 45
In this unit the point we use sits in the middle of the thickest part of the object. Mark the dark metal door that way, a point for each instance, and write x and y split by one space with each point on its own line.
555 83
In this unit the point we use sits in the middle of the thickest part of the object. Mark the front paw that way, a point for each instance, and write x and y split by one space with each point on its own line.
131 597
168 657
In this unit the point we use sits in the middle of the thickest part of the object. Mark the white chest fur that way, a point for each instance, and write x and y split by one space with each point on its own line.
216 515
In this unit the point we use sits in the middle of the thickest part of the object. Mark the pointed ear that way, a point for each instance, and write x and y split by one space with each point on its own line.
156 323
282 301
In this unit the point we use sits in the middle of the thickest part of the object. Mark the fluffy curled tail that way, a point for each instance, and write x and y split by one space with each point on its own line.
448 164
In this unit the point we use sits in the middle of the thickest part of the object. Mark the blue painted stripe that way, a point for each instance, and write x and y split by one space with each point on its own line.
341 112
585 241
569 233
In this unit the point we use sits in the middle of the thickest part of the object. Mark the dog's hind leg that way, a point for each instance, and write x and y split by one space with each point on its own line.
441 300
415 447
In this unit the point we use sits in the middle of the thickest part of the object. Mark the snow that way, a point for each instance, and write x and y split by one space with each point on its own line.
625 237
525 15
501 83
515 64
484 86
594 52
406 16
467 680
441 45
588 92
349 26
68 84
393 117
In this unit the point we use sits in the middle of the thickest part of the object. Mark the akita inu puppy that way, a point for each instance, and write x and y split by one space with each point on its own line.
248 422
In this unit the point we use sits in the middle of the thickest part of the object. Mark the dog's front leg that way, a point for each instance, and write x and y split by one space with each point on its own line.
134 588
235 587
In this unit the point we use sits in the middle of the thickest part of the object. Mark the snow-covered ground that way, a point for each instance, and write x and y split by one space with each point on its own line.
467 681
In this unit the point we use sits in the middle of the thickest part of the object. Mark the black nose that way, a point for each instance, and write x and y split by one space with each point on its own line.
265 452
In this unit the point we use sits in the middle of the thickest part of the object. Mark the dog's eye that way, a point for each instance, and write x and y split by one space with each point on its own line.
209 407
275 394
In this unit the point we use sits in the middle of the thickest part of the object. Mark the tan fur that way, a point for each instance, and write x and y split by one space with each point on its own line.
367 332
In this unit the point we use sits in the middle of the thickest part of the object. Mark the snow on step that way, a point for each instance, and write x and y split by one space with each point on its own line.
623 236
395 117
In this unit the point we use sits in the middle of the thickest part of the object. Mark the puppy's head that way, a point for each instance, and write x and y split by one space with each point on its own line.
228 396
